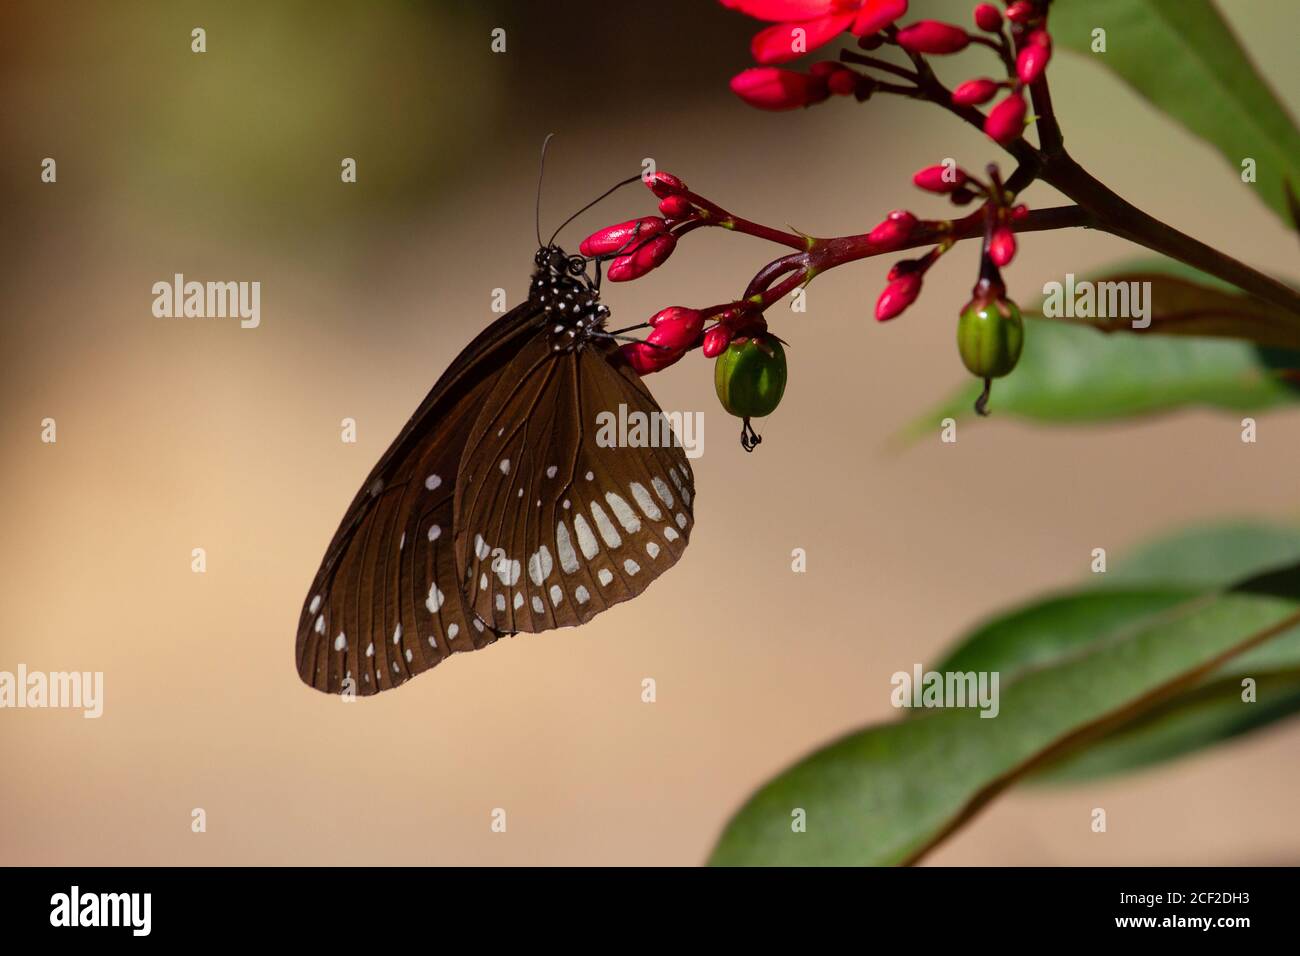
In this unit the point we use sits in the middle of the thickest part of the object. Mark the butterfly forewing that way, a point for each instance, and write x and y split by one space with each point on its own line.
385 604
553 526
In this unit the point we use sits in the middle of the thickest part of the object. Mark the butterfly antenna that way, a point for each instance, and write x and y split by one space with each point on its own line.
541 172
605 195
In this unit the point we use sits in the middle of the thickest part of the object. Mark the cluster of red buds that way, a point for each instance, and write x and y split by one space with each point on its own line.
900 227
641 245
750 371
804 25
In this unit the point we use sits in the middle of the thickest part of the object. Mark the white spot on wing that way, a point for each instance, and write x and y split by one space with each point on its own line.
320 624
670 534
314 606
605 575
645 502
540 565
556 595
586 540
397 634
631 567
580 595
481 549
681 520
518 601
432 482
538 606
452 631
501 602
652 549
624 513
508 571
434 601
564 547
340 642
550 472
605 526
435 532
504 466
663 491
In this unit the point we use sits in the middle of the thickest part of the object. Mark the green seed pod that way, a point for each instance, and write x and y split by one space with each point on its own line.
990 335
750 376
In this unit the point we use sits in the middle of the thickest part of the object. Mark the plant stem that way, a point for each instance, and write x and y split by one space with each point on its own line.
1115 215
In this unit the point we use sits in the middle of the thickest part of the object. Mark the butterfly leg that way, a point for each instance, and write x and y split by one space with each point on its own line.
749 439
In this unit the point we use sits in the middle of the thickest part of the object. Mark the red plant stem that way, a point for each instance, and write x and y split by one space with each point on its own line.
828 253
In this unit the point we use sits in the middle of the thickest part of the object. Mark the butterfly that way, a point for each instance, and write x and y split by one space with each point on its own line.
495 511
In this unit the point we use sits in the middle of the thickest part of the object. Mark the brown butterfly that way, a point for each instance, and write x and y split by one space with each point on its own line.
494 510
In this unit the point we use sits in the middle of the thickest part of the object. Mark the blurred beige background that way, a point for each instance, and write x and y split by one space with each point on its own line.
176 434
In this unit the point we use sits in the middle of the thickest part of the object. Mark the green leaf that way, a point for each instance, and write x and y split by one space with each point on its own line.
1074 375
1207 556
887 794
1184 59
1201 717
1155 579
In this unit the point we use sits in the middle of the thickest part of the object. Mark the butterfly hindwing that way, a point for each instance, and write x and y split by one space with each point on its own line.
552 525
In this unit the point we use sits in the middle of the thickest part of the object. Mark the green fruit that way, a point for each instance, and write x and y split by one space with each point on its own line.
750 376
990 336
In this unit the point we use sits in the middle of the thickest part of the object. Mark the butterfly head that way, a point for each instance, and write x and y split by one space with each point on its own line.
568 297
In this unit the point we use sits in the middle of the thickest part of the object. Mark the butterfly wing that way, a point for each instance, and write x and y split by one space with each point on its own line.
552 525
385 604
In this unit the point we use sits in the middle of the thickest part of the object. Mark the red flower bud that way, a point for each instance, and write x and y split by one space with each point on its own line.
1040 37
716 341
675 207
1002 246
1022 11
895 230
768 88
898 295
842 82
646 358
664 185
645 258
613 238
1006 121
789 41
988 17
940 179
931 36
1019 212
1032 61
874 15
677 327
974 92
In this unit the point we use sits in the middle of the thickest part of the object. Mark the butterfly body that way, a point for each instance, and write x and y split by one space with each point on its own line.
494 510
